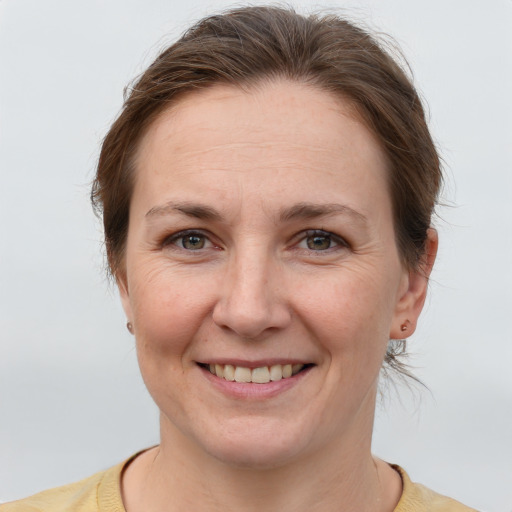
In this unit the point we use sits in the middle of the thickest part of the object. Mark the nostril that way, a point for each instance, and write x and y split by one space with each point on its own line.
250 319
247 324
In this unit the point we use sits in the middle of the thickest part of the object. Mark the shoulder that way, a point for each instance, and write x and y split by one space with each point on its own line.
418 498
100 492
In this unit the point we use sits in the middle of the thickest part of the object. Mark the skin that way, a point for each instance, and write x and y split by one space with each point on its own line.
241 170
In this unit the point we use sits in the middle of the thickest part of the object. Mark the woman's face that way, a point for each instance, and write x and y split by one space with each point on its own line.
261 236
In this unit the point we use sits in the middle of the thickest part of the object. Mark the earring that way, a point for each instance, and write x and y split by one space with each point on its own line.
129 326
403 327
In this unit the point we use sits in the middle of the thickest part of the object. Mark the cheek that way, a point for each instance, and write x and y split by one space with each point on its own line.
168 321
169 311
350 316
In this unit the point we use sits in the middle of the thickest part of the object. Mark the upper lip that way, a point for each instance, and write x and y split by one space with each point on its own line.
256 363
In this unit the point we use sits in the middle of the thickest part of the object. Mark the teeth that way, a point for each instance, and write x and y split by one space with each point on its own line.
296 368
261 375
242 374
219 370
229 372
276 372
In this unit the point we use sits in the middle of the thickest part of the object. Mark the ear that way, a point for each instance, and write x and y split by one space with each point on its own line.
122 284
413 291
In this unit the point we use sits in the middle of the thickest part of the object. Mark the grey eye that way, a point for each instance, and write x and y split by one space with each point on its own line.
318 242
193 242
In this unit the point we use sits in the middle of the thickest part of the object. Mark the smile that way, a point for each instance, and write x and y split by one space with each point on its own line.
260 375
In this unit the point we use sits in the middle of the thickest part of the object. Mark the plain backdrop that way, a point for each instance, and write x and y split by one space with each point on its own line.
71 398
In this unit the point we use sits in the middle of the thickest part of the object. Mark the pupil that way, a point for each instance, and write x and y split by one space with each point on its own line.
193 242
319 242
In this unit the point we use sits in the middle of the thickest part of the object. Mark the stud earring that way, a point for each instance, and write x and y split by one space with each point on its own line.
129 326
404 326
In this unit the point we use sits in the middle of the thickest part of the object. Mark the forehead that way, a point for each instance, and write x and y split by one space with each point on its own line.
288 130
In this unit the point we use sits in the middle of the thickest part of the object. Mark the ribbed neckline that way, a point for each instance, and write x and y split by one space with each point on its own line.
109 488
110 499
408 492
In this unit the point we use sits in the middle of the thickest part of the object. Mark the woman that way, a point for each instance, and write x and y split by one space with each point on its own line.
267 194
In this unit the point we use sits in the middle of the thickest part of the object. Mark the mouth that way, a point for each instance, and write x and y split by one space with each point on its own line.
259 375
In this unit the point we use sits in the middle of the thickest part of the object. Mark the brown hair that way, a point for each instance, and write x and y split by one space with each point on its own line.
247 45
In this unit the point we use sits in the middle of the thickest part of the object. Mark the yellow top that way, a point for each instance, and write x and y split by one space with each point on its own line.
102 493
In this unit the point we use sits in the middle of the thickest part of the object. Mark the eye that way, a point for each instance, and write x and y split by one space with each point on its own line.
189 241
192 242
319 240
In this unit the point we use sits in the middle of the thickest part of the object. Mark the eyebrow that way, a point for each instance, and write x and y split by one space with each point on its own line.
295 212
313 211
198 211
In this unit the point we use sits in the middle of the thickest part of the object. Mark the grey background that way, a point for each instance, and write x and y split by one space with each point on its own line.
71 398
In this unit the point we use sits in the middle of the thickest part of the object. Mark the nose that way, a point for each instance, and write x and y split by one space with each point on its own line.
251 299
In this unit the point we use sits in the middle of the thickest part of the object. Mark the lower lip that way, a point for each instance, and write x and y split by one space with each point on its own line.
251 390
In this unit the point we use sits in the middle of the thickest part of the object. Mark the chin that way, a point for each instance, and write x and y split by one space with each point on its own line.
245 446
253 455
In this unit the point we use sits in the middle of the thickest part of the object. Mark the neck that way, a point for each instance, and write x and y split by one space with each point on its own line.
177 476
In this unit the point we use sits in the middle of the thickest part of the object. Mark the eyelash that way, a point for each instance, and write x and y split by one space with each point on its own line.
173 239
320 233
300 238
